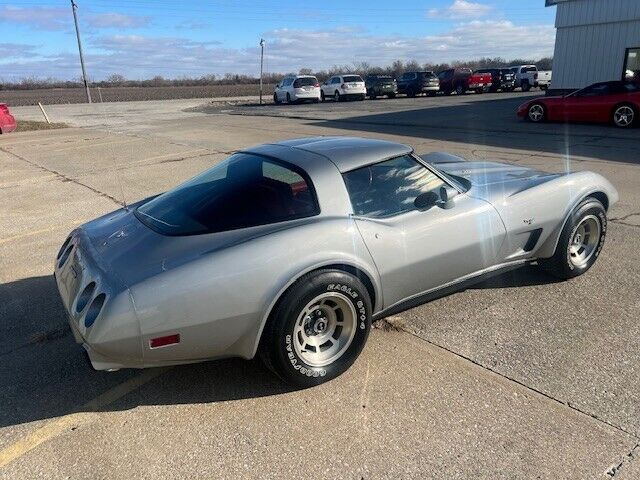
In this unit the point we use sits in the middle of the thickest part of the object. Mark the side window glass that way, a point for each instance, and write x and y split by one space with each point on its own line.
389 188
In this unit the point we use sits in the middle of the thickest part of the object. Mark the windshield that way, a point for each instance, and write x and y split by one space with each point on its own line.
243 191
352 78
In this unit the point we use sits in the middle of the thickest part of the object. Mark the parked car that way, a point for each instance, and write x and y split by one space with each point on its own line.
7 122
289 250
296 88
343 87
461 80
417 83
380 85
526 76
617 102
501 79
544 79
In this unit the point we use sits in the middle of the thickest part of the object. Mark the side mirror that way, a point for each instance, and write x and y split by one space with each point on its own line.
426 200
447 194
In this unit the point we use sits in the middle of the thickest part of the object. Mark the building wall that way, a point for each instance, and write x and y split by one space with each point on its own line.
591 39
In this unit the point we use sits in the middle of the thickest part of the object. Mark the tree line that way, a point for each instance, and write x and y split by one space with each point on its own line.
395 69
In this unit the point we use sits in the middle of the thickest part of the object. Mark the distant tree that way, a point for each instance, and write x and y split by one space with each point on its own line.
116 80
305 71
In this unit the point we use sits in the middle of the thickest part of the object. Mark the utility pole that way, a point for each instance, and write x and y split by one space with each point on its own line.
74 7
262 42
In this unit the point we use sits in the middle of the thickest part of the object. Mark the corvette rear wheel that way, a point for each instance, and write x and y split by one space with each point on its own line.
580 242
318 328
536 113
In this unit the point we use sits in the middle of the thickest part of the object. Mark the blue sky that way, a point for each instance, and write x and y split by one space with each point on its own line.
143 38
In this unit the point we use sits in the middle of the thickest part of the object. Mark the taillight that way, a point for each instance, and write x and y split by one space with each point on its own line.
317 85
4 108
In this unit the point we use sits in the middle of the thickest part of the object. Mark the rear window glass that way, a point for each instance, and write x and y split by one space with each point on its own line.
529 69
243 191
352 78
389 188
305 82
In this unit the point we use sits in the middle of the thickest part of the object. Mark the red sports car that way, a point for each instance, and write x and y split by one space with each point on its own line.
7 122
615 102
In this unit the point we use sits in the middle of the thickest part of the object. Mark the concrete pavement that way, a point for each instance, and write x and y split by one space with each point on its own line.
519 377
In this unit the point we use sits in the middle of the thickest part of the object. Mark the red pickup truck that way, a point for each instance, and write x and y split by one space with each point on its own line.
461 80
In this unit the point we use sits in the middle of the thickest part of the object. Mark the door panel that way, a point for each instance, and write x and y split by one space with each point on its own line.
420 250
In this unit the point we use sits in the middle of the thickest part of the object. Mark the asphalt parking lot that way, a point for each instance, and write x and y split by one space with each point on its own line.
518 377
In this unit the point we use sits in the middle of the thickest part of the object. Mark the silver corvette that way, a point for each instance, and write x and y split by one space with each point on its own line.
290 250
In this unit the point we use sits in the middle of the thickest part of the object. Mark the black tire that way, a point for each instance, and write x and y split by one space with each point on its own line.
630 115
431 94
411 93
288 98
278 346
563 262
391 95
316 100
537 112
479 91
336 96
362 97
372 94
322 97
526 86
460 90
447 92
275 99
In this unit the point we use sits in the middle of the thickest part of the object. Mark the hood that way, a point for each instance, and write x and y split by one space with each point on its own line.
493 181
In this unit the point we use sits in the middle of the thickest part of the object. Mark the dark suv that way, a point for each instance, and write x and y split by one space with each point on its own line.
501 79
380 85
416 83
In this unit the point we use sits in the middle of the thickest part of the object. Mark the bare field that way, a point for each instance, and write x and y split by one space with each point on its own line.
51 96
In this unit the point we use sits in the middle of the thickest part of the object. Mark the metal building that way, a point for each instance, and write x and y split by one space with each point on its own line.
596 40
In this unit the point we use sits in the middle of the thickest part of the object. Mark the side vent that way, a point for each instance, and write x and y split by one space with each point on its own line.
534 236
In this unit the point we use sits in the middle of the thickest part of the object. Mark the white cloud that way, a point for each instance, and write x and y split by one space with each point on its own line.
48 18
43 18
139 56
460 10
117 20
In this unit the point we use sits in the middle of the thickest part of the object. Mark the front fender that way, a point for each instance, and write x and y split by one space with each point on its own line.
579 185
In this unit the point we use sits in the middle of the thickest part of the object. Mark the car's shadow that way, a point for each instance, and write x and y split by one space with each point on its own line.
44 373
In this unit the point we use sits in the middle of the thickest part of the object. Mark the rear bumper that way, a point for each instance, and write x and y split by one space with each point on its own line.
306 95
109 332
9 125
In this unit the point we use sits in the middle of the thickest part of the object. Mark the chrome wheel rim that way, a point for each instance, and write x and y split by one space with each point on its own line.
584 241
324 329
623 116
536 113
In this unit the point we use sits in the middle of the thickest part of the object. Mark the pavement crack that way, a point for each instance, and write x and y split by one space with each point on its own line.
62 177
39 338
628 458
518 382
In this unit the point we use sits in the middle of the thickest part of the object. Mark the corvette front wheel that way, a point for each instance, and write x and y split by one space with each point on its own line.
536 113
318 328
580 242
